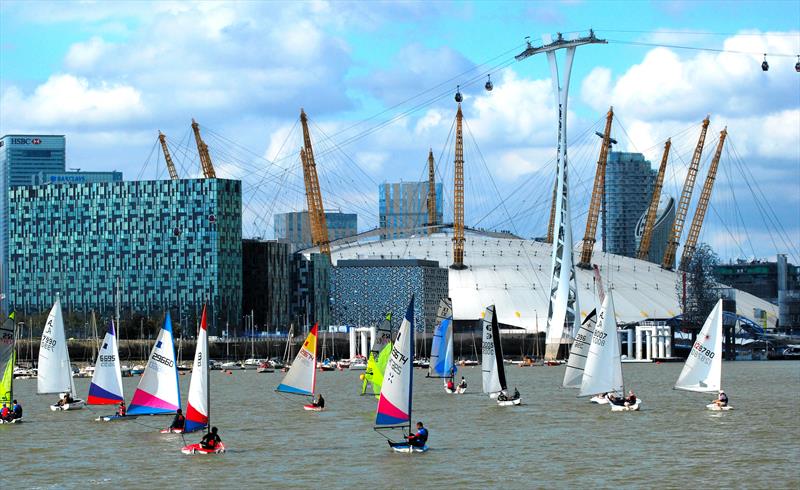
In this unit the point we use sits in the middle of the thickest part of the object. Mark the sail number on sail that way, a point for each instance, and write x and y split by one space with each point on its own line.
701 352
107 360
159 358
599 338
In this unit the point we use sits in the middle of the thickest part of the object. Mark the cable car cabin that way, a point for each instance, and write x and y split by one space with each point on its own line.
459 98
489 86
764 64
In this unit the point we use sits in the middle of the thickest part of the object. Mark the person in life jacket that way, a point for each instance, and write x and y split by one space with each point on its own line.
420 438
450 385
211 440
319 401
121 410
722 400
5 413
16 410
179 421
463 383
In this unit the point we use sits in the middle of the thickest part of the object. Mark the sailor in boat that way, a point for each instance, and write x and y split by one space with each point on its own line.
450 384
722 400
420 437
5 413
318 401
121 410
615 400
179 421
630 400
504 397
16 410
66 400
463 384
211 440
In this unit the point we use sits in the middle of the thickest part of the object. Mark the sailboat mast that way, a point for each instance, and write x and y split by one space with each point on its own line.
208 380
411 378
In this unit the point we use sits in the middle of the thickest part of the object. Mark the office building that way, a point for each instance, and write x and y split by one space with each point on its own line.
311 279
75 177
761 278
662 229
173 244
363 291
628 190
266 282
295 227
403 208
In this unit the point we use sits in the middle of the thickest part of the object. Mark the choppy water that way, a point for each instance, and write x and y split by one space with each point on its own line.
553 440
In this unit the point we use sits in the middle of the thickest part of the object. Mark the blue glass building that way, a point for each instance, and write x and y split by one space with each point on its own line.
628 190
171 244
295 228
403 207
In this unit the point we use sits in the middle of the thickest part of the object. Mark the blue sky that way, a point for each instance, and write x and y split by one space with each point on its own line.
110 74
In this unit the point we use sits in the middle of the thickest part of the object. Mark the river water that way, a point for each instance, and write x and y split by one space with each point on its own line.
553 440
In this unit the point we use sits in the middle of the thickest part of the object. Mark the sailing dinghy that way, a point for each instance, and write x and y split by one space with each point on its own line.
494 372
7 360
703 369
302 376
106 386
55 369
442 362
394 404
603 370
158 392
378 357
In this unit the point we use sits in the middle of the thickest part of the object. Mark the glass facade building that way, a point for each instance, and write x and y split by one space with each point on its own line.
403 207
169 244
628 190
266 282
363 291
295 228
75 177
311 278
662 230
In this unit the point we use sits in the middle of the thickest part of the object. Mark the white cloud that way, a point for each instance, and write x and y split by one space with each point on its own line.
84 55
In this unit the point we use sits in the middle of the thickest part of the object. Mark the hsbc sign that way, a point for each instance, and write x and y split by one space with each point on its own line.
26 141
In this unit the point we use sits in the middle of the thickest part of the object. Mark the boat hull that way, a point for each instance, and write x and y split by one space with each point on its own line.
402 447
716 408
197 449
12 421
313 408
75 405
600 400
629 408
509 403
172 431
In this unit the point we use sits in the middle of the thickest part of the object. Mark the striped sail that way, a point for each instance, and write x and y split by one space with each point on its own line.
55 370
603 370
703 369
106 386
394 404
197 406
302 376
158 389
442 364
7 359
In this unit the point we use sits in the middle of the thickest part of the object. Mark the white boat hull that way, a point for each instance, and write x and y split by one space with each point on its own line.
75 405
12 421
600 400
493 396
509 403
623 408
409 449
716 408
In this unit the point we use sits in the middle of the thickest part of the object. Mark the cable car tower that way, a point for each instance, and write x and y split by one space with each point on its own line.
563 310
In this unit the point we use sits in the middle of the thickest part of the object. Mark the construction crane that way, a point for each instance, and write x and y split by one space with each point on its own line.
173 174
702 205
552 222
597 194
431 193
458 197
316 211
686 198
202 150
650 220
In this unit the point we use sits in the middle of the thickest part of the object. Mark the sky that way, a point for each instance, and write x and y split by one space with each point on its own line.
377 80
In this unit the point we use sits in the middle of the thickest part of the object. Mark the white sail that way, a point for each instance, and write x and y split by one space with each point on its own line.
491 371
158 390
302 376
197 408
55 370
394 404
106 385
603 370
703 368
573 375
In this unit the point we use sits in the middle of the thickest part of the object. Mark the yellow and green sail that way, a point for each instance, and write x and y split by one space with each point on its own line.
378 357
7 360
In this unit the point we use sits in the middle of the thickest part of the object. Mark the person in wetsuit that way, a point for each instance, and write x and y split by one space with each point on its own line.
211 440
463 384
319 401
179 422
420 438
16 410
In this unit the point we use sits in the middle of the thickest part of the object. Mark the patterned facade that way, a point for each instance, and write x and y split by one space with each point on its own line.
403 207
170 244
266 282
363 291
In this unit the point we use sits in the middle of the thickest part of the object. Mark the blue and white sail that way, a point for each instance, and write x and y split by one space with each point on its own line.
106 386
158 390
442 362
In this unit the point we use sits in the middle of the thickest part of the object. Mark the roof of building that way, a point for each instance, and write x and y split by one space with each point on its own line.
514 275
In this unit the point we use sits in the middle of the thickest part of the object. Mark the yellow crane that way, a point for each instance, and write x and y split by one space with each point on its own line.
686 198
650 220
702 204
458 196
316 211
552 221
173 174
431 193
597 195
202 150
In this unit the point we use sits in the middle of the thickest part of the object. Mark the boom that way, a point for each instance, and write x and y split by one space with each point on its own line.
316 211
202 150
597 195
650 220
173 174
702 205
458 196
686 198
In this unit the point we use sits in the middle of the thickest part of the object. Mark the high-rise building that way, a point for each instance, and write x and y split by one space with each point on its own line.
403 207
23 156
266 283
662 229
311 279
363 291
173 244
628 190
295 227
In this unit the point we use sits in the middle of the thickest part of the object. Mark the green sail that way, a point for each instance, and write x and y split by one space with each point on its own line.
7 360
379 368
6 382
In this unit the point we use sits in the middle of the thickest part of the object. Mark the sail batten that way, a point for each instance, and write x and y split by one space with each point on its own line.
158 390
302 376
106 385
703 369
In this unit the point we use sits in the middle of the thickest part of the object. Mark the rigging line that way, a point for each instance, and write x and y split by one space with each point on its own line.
336 146
724 225
698 33
694 48
147 162
736 208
